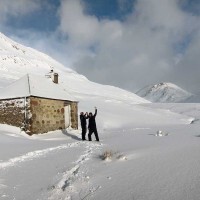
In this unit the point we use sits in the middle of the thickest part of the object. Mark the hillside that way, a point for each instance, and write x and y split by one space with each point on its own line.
164 93
115 105
17 60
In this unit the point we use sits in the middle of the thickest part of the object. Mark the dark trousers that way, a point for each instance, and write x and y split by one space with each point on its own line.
91 131
83 132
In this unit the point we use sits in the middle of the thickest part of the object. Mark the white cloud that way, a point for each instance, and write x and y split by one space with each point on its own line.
79 27
17 7
138 51
188 68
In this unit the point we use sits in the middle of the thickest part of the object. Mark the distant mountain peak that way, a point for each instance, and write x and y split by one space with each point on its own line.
164 92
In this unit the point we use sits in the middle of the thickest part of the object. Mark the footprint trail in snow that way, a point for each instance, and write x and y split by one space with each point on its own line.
34 154
72 180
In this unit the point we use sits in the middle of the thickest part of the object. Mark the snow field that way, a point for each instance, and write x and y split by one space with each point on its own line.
59 175
142 166
155 168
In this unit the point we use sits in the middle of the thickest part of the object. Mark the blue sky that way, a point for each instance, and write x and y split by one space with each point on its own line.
46 18
139 42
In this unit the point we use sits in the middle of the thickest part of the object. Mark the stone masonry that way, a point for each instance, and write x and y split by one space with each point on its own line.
48 115
74 115
42 115
12 112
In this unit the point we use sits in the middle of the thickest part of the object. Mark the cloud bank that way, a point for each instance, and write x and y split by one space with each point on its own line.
158 41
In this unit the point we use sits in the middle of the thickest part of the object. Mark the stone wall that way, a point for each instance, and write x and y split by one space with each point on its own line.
42 115
74 115
12 112
47 115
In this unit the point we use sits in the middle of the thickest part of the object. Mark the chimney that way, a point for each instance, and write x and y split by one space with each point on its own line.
55 78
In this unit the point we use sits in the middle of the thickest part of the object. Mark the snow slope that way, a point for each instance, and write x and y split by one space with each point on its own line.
17 60
164 92
142 165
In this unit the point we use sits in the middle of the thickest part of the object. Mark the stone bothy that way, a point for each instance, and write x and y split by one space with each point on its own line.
38 105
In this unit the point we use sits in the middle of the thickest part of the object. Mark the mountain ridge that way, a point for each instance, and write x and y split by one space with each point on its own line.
164 92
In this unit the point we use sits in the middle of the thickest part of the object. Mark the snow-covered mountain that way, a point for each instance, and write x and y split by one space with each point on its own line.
164 92
17 60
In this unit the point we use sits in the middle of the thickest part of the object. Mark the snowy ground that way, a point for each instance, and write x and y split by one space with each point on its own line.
151 159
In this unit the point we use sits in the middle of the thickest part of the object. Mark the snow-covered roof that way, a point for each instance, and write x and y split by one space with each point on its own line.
34 85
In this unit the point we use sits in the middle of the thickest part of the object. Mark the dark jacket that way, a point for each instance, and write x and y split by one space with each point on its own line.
83 120
92 122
